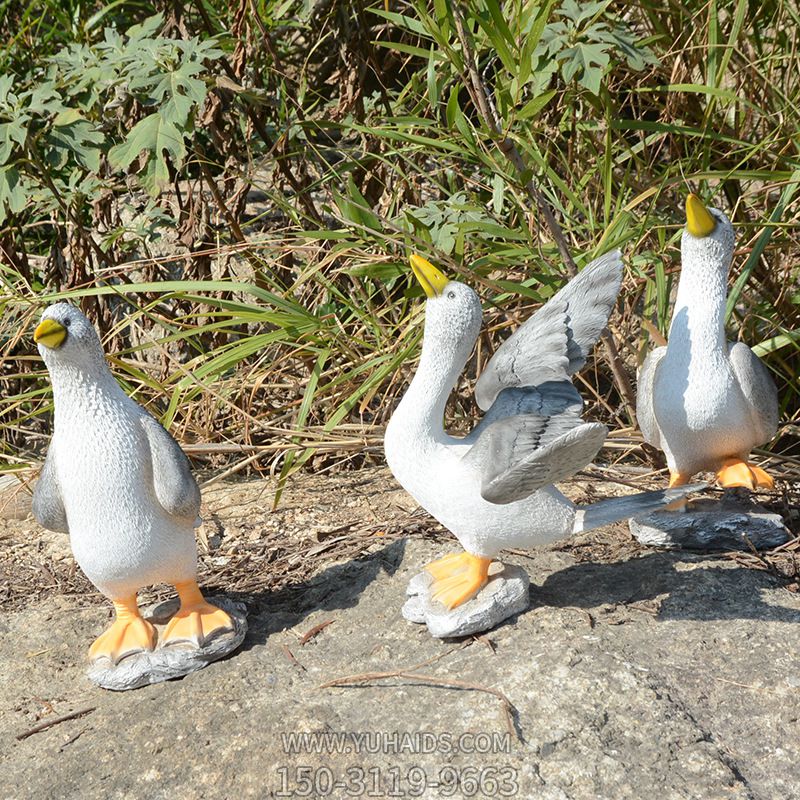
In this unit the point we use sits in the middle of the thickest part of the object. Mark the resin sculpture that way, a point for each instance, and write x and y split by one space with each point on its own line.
705 401
493 488
119 484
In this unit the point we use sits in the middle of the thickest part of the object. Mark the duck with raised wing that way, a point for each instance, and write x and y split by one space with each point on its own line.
705 401
494 488
121 487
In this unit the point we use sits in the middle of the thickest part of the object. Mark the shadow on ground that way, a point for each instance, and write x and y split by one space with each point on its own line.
689 587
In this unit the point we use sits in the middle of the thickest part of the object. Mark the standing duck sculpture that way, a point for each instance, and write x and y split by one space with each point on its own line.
121 487
494 487
705 401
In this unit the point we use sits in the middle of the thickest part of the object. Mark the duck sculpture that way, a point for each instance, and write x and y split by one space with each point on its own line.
121 487
705 401
494 487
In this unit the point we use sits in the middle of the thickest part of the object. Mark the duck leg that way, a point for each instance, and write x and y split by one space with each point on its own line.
677 478
196 620
738 472
457 577
129 633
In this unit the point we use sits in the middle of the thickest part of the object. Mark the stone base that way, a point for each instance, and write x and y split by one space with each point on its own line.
505 594
727 524
173 661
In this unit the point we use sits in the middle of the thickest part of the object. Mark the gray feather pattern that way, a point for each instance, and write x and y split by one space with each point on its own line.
605 512
173 482
48 508
518 455
547 400
645 411
554 343
758 388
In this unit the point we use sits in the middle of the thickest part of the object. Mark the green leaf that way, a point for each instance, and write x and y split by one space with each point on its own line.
580 12
430 79
496 29
44 100
6 85
498 192
11 132
589 62
73 134
355 208
777 343
146 29
183 90
154 135
533 107
13 196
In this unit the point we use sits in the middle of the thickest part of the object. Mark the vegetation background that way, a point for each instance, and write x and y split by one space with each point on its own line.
231 191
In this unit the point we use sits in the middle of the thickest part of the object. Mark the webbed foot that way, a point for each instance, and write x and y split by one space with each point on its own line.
129 633
457 578
197 620
738 473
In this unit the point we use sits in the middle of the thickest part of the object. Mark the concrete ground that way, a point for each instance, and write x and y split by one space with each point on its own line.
633 674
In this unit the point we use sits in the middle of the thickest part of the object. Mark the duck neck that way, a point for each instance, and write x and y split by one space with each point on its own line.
698 320
80 392
424 402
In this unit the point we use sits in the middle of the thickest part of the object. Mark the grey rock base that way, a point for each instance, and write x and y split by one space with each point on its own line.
175 660
727 524
505 594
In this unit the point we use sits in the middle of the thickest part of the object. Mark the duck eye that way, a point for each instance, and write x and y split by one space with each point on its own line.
67 322
451 294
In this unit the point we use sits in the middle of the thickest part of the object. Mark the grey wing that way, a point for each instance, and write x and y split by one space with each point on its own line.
758 388
555 342
173 482
48 507
548 400
645 411
518 455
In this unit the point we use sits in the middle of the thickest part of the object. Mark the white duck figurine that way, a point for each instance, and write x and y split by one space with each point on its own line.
705 401
493 488
120 485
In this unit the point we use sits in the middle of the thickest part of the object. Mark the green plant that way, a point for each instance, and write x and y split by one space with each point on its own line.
248 271
582 42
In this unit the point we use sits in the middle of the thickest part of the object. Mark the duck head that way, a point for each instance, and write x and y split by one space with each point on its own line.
708 237
66 338
453 312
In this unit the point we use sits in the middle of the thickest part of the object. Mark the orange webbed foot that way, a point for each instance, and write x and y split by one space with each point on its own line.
736 472
458 577
197 620
130 633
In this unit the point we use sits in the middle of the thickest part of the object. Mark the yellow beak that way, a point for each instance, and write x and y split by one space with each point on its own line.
431 280
49 333
698 220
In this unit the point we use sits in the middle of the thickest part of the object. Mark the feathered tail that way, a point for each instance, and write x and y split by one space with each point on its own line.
615 509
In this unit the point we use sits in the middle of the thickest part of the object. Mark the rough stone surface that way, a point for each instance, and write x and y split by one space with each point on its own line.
174 661
712 525
635 673
505 594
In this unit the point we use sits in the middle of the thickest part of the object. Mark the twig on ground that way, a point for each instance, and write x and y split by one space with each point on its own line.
73 738
43 726
508 707
312 632
410 673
